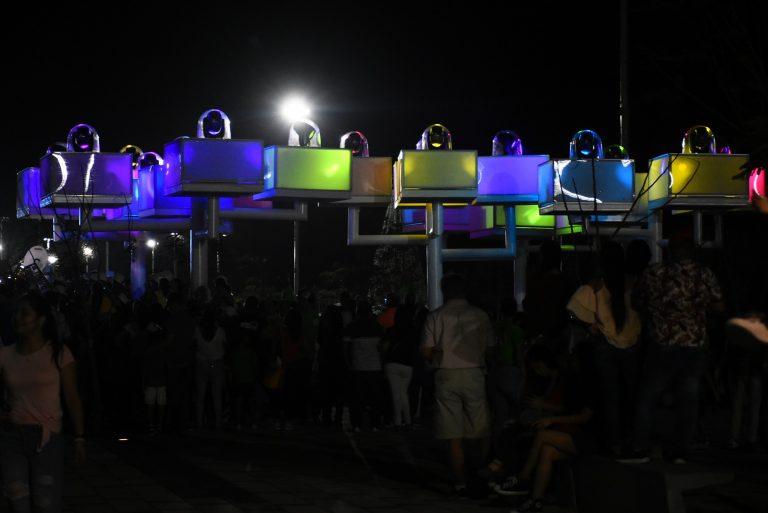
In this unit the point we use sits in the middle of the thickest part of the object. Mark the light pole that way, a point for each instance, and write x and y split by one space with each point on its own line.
152 244
2 237
295 109
88 254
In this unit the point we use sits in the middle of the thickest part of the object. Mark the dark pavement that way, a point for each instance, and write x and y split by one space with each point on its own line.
315 470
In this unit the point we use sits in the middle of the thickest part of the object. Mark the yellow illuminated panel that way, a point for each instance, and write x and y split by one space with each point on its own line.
697 180
438 169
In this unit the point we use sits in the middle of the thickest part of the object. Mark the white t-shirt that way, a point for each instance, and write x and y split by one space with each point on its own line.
210 350
460 335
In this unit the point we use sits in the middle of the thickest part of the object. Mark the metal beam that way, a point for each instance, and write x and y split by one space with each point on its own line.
297 213
141 225
354 238
508 252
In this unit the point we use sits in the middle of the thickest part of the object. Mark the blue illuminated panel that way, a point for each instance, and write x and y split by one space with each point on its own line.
152 199
568 186
510 180
199 167
71 179
28 192
638 214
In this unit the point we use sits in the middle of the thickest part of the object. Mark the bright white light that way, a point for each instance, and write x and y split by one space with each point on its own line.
295 108
1 247
151 243
52 259
88 251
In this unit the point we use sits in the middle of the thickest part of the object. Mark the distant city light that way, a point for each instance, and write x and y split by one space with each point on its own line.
151 243
88 251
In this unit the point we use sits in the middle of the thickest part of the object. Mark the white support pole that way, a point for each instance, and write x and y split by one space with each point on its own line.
57 234
139 269
521 266
139 225
698 228
718 230
654 223
297 213
199 258
198 244
435 255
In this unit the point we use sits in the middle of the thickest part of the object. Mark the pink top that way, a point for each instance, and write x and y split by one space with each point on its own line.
33 385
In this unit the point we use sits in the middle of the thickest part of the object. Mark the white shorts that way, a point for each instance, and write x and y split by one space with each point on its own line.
154 396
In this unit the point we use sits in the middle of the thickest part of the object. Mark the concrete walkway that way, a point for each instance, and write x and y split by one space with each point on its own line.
317 470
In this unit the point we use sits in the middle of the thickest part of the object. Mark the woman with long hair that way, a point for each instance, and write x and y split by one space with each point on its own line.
35 371
605 306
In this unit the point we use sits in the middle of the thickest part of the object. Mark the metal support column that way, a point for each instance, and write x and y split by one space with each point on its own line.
296 242
434 255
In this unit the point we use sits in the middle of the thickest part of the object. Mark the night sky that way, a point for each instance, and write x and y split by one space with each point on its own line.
143 76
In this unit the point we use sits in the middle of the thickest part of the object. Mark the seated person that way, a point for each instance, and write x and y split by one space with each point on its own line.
541 397
558 437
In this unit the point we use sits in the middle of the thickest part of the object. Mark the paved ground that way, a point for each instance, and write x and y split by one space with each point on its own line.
315 470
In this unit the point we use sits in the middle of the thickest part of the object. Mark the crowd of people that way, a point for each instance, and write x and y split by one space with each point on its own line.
582 369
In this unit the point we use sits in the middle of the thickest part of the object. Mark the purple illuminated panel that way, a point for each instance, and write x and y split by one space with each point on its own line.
202 167
455 220
129 211
71 179
510 180
28 197
152 201
112 236
243 202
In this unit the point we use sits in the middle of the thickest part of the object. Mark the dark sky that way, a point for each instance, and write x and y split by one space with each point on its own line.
546 70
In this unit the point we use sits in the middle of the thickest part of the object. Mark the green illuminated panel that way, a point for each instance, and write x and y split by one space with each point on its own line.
455 169
527 216
641 186
310 169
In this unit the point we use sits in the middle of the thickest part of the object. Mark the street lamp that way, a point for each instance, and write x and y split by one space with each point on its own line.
152 244
294 109
87 253
303 132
